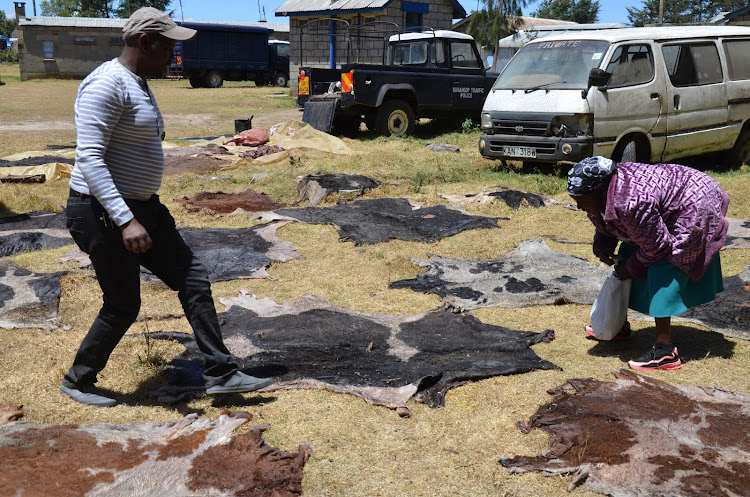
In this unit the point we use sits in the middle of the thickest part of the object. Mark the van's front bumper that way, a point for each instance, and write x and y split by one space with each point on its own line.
536 148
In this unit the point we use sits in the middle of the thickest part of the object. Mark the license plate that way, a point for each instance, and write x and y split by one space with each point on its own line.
520 152
304 86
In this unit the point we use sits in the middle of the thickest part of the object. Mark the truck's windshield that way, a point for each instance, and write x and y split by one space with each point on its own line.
552 64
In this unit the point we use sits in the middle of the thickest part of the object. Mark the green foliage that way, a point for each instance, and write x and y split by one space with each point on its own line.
580 11
469 125
151 358
99 8
681 11
127 7
497 19
6 25
8 56
61 8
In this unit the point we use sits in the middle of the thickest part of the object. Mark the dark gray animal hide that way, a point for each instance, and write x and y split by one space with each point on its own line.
532 274
194 457
729 314
37 161
227 253
28 300
642 437
311 343
315 187
512 198
738 235
379 220
36 230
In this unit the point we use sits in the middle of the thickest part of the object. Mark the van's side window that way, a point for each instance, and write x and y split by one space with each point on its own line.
630 65
738 58
693 64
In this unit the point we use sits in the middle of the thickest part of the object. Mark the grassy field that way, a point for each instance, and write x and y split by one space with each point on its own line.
360 450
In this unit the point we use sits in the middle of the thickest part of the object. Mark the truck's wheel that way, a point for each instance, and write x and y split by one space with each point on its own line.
214 79
395 118
626 151
281 80
196 81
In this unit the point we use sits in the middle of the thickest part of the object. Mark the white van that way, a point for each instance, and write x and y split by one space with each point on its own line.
634 94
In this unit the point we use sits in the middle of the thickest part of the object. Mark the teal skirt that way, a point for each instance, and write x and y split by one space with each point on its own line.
667 290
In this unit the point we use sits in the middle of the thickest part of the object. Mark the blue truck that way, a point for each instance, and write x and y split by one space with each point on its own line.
230 52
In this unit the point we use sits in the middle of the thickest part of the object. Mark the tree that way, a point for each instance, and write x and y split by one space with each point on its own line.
99 8
580 11
682 11
6 25
675 12
496 20
60 8
127 7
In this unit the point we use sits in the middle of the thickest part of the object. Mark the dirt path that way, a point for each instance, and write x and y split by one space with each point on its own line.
263 121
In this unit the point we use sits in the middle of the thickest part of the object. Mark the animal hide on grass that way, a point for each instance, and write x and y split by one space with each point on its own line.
28 300
194 457
531 274
642 437
36 230
311 343
379 220
227 253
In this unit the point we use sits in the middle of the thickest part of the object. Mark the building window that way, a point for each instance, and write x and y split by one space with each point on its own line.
84 40
48 49
413 21
116 41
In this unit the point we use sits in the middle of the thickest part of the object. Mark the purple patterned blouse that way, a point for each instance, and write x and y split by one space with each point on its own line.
669 211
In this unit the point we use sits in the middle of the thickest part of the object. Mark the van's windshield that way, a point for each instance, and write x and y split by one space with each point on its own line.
552 64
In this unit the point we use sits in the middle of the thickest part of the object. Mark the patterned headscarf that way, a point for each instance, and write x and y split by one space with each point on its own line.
588 175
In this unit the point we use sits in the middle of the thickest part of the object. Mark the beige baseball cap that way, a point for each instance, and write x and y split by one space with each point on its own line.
150 20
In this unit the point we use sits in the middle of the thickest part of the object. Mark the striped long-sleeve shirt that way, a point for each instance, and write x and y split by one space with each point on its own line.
118 151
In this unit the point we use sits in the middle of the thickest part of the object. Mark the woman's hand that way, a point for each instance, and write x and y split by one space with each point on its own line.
621 271
608 258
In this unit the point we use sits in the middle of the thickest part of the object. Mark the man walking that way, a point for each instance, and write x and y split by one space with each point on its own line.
115 216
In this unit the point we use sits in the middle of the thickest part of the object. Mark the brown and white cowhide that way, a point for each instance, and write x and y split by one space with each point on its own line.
192 457
642 437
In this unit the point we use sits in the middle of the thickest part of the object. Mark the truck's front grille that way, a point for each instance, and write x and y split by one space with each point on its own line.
524 128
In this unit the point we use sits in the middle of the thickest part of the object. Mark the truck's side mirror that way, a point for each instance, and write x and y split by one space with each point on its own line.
598 77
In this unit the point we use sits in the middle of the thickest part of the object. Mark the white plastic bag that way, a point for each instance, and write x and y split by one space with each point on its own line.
610 309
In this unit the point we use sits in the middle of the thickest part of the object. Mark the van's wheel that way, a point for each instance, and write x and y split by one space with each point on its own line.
395 118
626 151
196 81
281 80
214 79
740 153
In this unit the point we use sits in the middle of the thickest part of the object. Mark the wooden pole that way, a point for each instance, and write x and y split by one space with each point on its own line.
661 12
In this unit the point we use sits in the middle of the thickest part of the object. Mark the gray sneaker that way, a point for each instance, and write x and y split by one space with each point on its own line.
239 382
88 395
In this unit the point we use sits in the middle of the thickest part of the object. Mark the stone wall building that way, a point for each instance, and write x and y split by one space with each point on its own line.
325 33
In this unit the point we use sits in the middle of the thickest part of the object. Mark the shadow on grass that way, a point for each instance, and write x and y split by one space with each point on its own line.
693 344
144 396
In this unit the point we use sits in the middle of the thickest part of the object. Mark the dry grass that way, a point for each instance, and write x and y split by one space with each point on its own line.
360 450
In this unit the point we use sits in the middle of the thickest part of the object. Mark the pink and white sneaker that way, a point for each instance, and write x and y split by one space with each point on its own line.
623 334
661 356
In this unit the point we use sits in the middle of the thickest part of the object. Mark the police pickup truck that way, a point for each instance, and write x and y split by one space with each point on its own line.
435 74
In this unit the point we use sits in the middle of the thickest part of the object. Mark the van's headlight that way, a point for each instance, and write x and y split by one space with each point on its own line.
572 125
486 121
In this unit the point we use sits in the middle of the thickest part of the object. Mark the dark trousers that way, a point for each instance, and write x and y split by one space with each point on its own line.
118 273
